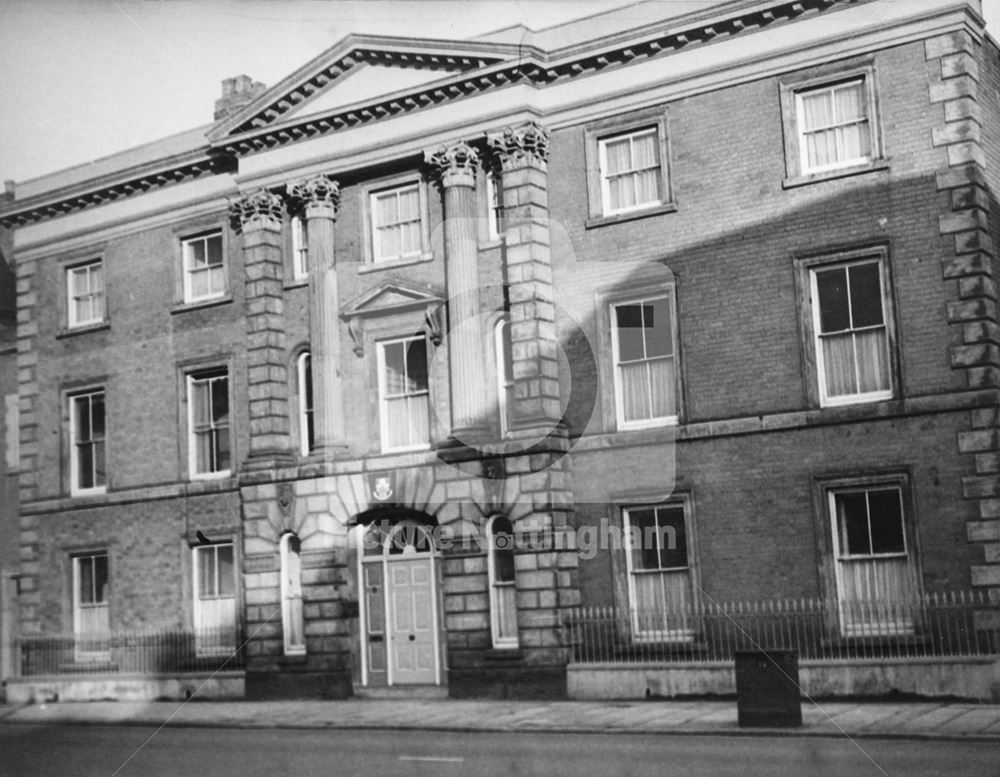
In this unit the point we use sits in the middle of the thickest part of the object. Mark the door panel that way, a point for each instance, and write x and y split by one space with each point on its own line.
412 638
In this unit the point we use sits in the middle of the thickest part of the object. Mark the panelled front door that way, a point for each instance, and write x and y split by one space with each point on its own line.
411 639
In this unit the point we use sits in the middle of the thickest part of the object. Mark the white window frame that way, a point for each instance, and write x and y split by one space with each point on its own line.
602 156
74 294
639 632
373 197
891 618
288 611
500 642
303 368
75 443
382 396
300 248
84 654
831 86
186 257
207 376
505 382
887 327
204 644
646 423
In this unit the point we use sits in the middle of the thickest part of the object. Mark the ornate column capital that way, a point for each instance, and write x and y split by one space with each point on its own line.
455 165
257 210
516 146
318 195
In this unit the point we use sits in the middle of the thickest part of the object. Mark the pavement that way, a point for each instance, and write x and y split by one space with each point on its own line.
905 720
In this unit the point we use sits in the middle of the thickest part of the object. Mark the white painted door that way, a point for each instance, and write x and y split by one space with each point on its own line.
214 599
412 646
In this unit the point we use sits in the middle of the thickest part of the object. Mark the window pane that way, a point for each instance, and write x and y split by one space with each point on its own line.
866 294
886 521
831 286
838 362
397 420
206 571
636 401
409 205
661 388
196 254
671 537
200 402
395 368
97 415
85 465
644 151
100 471
656 320
416 365
817 110
849 102
200 284
225 562
852 524
871 349
82 409
629 330
386 211
85 570
222 450
617 156
216 280
419 416
645 554
220 400
214 251
101 579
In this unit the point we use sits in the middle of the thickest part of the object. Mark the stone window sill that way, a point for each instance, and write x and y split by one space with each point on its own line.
376 266
621 218
184 307
879 165
83 330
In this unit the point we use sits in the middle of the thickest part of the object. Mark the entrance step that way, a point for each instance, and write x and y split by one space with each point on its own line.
403 692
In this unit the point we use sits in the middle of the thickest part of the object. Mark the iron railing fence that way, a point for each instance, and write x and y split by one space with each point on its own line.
955 624
136 651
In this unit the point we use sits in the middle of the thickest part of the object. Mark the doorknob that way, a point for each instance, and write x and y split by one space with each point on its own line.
413 637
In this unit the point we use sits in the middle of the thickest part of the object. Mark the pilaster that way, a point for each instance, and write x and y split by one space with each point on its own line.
456 166
318 199
522 153
258 217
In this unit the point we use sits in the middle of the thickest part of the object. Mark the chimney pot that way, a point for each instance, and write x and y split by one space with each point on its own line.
237 92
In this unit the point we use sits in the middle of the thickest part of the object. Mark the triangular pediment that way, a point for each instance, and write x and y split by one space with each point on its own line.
356 70
391 297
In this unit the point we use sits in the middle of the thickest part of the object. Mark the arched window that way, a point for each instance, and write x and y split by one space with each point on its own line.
306 428
505 373
503 601
291 595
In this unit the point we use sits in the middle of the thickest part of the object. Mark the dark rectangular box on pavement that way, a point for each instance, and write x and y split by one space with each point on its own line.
767 688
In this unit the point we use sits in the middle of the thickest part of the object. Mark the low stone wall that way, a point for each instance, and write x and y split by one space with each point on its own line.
36 690
966 678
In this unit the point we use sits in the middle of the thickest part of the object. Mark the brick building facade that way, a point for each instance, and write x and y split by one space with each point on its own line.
362 372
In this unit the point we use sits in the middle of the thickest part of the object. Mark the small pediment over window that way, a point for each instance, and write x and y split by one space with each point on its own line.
390 298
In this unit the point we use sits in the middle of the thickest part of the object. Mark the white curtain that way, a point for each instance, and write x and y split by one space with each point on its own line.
835 125
876 596
856 363
662 603
648 389
647 168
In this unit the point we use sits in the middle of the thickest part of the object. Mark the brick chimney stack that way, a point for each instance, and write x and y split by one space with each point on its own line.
237 92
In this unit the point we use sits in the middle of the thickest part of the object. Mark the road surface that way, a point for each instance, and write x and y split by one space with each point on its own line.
101 751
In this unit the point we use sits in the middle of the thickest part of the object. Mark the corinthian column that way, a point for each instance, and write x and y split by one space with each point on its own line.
257 216
318 197
456 168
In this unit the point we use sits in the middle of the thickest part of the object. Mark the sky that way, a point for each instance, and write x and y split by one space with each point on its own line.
80 79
